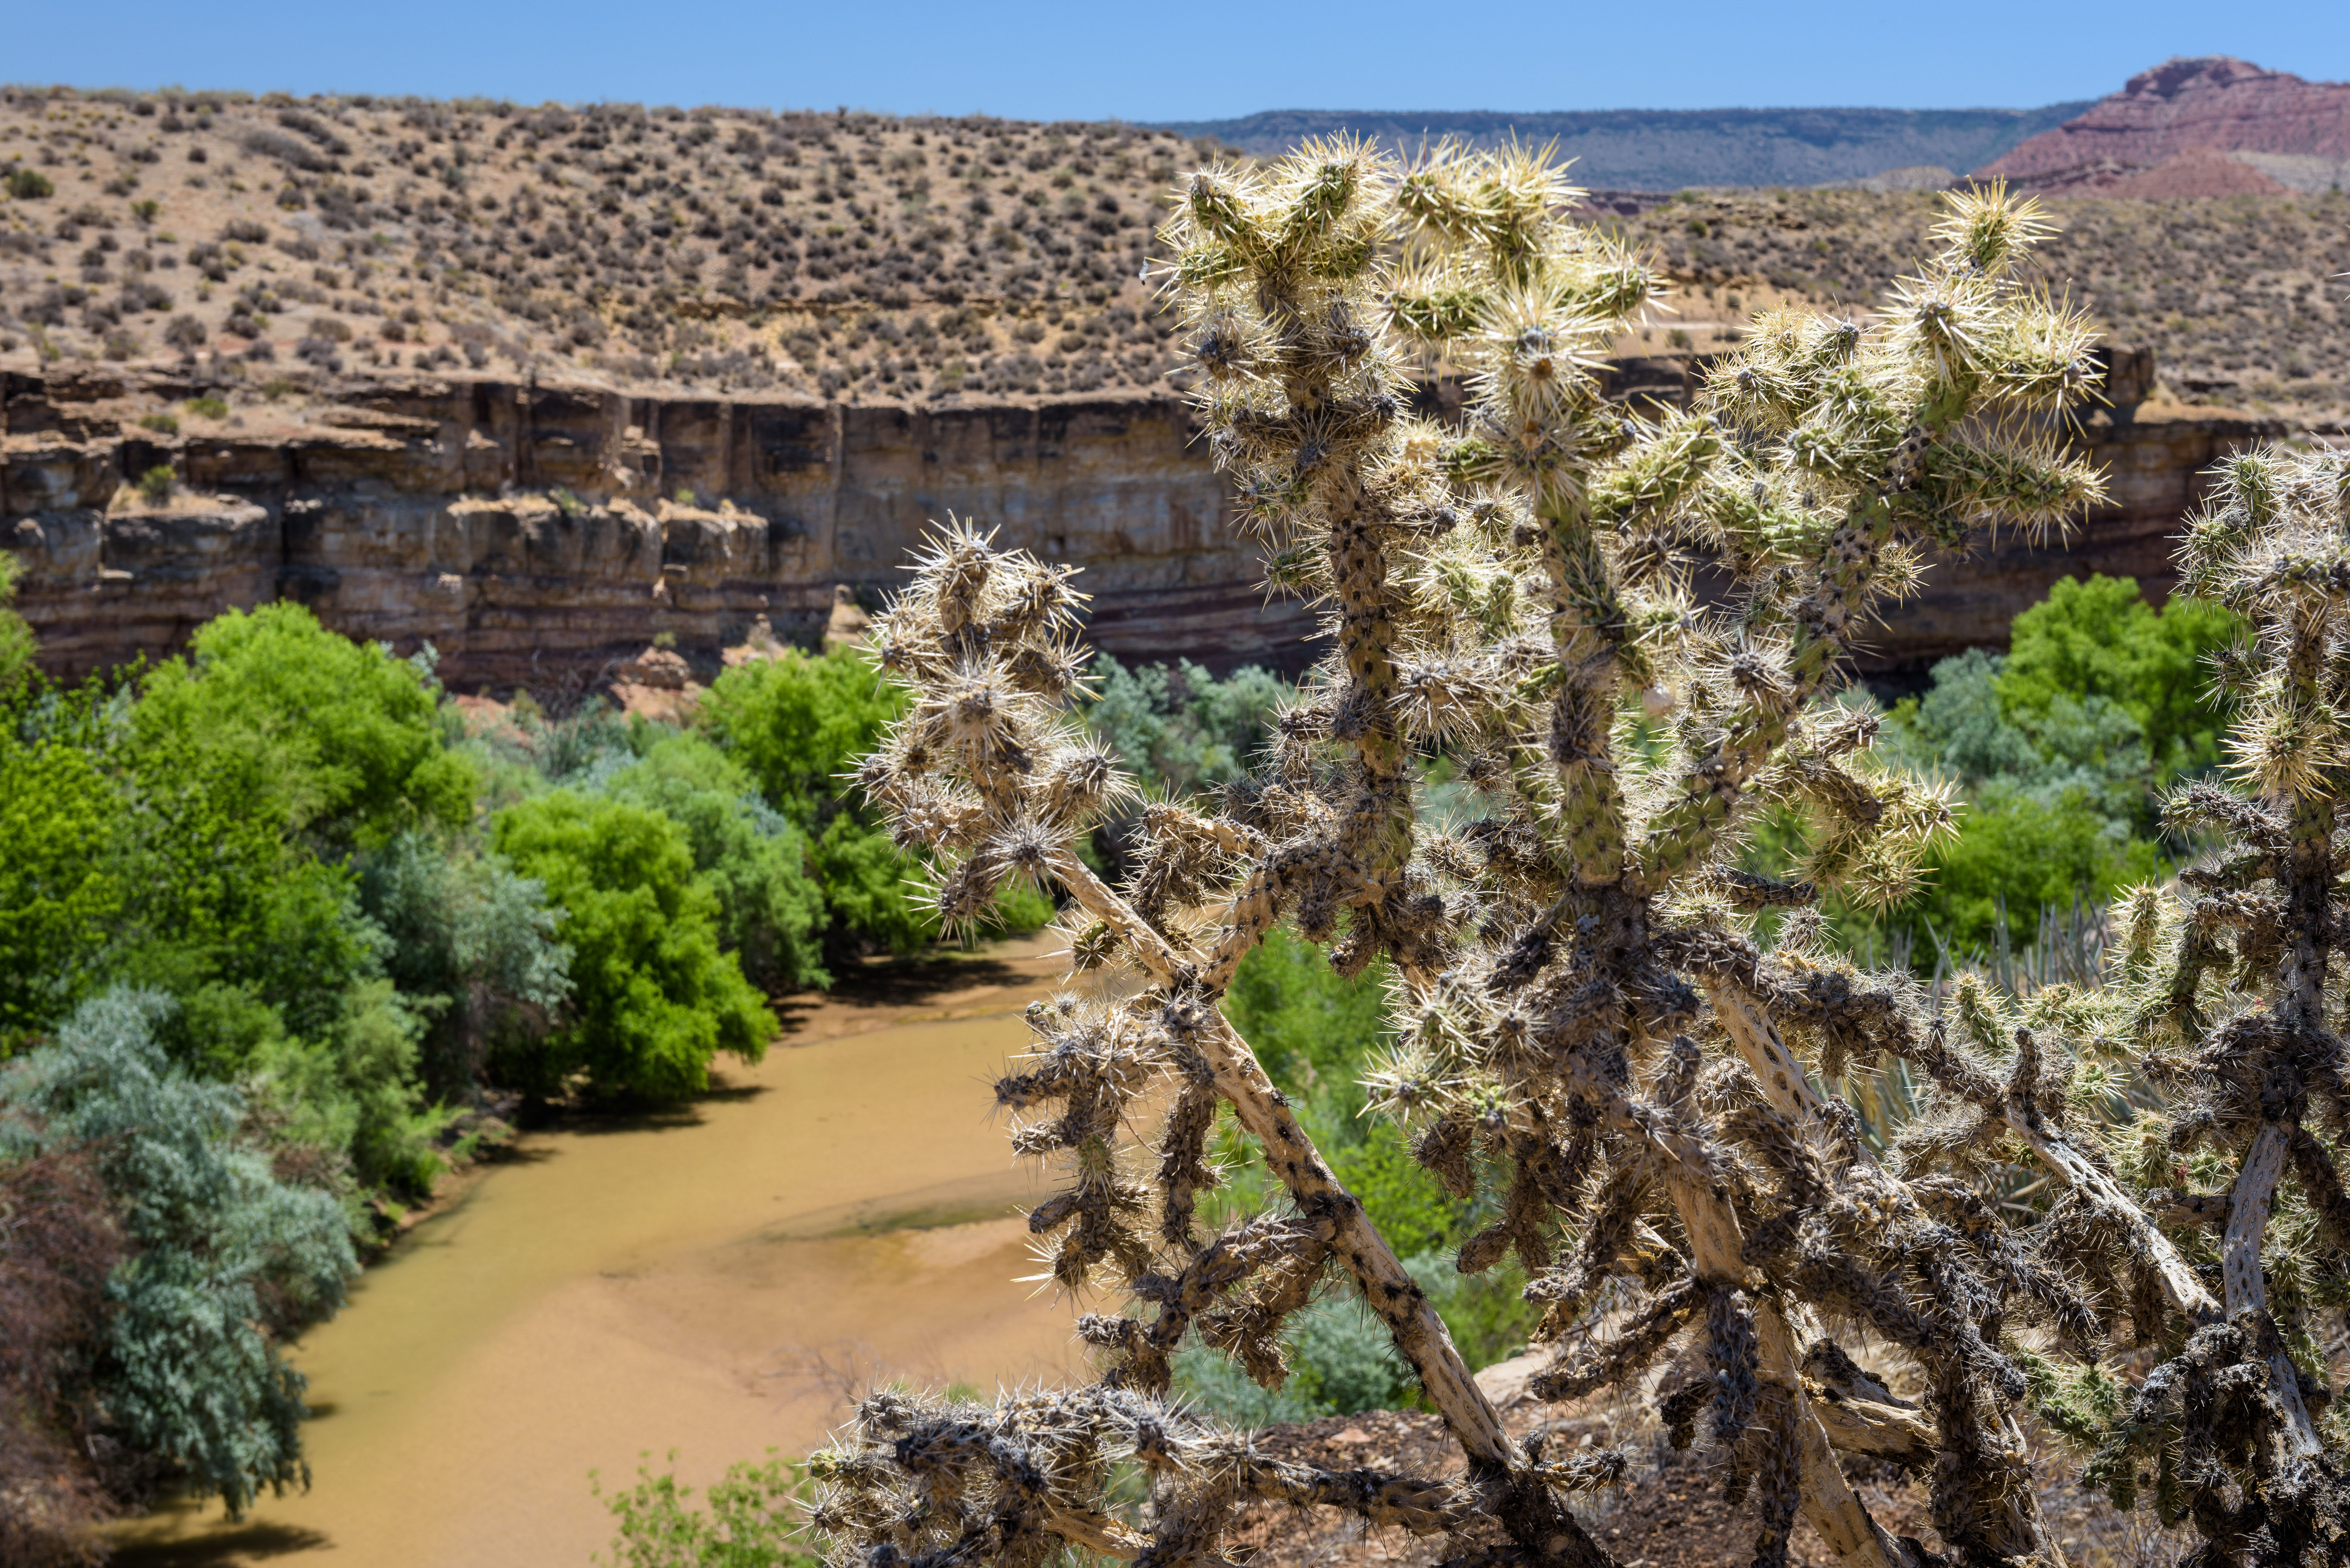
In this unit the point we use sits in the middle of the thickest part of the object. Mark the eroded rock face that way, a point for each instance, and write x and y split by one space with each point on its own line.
2212 126
541 534
545 535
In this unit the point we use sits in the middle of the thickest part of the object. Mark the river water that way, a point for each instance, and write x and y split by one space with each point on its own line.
711 1282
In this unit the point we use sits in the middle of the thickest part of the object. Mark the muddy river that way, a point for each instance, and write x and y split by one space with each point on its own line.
711 1280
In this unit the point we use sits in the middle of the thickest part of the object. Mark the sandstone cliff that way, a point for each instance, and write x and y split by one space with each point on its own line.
2214 126
534 535
539 535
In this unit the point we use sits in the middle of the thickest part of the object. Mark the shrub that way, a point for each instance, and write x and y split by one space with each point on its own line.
223 1260
207 406
29 185
753 1516
472 947
1182 726
796 724
652 996
163 424
158 483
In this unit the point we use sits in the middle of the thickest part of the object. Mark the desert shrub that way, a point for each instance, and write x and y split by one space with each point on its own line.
158 483
654 998
29 185
222 1260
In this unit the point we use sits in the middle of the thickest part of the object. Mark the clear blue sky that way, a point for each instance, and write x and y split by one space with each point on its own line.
1164 61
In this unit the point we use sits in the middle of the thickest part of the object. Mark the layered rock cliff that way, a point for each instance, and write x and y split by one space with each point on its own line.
534 534
2212 126
538 535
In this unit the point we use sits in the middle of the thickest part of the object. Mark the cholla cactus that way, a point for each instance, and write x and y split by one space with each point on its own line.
1587 1019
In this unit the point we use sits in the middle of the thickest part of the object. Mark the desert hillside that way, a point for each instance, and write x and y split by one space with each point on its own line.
858 257
839 254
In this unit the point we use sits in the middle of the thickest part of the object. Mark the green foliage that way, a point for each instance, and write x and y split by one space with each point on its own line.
322 734
473 948
2059 747
753 1516
60 891
770 913
2016 849
2098 640
1182 728
29 185
1341 1361
226 1259
653 997
15 637
798 724
1317 1033
354 1090
207 407
158 483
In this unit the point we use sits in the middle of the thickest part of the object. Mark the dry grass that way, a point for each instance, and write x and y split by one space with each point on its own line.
859 256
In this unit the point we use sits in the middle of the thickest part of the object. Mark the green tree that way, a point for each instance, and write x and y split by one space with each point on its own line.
2096 638
1182 726
652 996
798 724
472 947
335 738
770 913
225 1260
61 893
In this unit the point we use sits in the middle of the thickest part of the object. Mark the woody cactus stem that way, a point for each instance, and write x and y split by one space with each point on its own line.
1509 590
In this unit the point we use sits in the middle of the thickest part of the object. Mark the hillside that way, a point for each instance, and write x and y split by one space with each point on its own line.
2207 126
1659 150
858 258
2239 297
838 253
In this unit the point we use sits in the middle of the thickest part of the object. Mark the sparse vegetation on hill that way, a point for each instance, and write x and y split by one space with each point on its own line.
825 252
2232 293
858 255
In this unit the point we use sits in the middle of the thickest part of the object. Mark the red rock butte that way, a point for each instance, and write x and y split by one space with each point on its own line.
2207 127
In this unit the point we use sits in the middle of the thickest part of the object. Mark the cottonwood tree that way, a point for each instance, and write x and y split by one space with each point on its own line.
1588 1024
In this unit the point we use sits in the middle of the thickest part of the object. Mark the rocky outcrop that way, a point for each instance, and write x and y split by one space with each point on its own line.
537 533
2170 128
547 535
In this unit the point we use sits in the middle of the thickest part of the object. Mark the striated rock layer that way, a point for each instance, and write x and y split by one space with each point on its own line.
2171 130
536 534
542 535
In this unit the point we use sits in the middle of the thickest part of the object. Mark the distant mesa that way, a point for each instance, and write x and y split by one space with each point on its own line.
2210 127
1671 150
